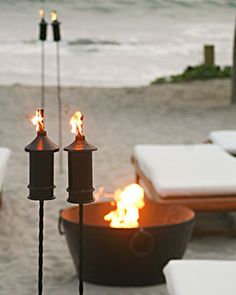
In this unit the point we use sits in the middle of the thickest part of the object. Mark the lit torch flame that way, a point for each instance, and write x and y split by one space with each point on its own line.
41 13
76 123
128 203
53 15
38 120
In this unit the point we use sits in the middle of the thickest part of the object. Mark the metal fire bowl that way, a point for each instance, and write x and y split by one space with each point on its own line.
128 257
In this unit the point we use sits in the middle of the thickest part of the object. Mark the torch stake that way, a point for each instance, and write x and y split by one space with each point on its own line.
40 258
42 75
81 244
59 104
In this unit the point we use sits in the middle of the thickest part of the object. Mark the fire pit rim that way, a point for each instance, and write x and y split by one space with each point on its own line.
107 227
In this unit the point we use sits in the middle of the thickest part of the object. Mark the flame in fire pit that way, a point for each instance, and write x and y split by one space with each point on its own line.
128 203
38 120
76 123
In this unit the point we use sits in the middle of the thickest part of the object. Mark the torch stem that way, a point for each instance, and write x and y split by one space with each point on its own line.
40 249
59 105
42 75
81 245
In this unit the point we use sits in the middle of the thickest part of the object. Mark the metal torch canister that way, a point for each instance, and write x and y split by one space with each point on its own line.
43 30
80 171
41 169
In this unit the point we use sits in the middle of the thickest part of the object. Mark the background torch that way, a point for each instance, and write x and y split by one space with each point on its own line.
55 26
80 178
41 174
57 38
42 37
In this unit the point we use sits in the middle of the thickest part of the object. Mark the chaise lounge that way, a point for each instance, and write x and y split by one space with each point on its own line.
200 277
201 176
225 139
4 156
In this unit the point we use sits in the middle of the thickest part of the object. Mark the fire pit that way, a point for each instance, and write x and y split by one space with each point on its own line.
127 256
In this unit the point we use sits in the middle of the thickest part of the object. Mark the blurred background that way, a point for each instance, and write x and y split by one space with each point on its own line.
114 42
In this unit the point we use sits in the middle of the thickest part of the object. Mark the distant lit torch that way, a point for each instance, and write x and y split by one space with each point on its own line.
57 37
42 26
55 26
42 37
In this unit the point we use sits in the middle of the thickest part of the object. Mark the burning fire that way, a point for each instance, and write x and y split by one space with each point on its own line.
76 123
53 15
128 202
38 120
41 13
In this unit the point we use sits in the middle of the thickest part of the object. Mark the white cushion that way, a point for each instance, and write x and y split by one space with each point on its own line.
4 157
200 277
226 139
188 170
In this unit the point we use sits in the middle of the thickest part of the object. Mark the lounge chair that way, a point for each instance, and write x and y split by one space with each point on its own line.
226 139
200 277
201 177
4 157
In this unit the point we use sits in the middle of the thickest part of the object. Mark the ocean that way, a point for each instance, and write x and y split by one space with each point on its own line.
113 43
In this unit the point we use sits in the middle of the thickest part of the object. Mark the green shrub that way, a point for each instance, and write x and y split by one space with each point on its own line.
199 72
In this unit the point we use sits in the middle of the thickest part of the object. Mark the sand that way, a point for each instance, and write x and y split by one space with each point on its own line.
116 120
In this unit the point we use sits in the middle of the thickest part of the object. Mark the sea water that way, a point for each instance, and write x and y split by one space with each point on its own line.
113 42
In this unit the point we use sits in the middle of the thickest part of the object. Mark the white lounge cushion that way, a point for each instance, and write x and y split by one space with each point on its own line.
200 277
188 170
226 139
4 157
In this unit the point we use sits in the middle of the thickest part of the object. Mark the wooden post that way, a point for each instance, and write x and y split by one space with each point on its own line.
233 91
209 55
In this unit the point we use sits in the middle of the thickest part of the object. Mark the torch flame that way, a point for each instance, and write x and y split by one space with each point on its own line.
41 13
128 203
76 123
53 15
38 120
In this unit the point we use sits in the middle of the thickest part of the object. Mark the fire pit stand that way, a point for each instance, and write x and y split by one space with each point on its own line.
128 256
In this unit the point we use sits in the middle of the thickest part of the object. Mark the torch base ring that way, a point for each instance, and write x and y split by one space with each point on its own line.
41 199
80 202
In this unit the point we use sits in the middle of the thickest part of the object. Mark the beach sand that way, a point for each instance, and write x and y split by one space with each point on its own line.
115 120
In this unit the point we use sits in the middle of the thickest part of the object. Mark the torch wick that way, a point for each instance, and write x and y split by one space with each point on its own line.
42 132
80 137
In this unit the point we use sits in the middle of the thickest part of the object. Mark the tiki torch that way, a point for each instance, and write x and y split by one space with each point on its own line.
41 179
57 38
42 37
80 178
55 26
